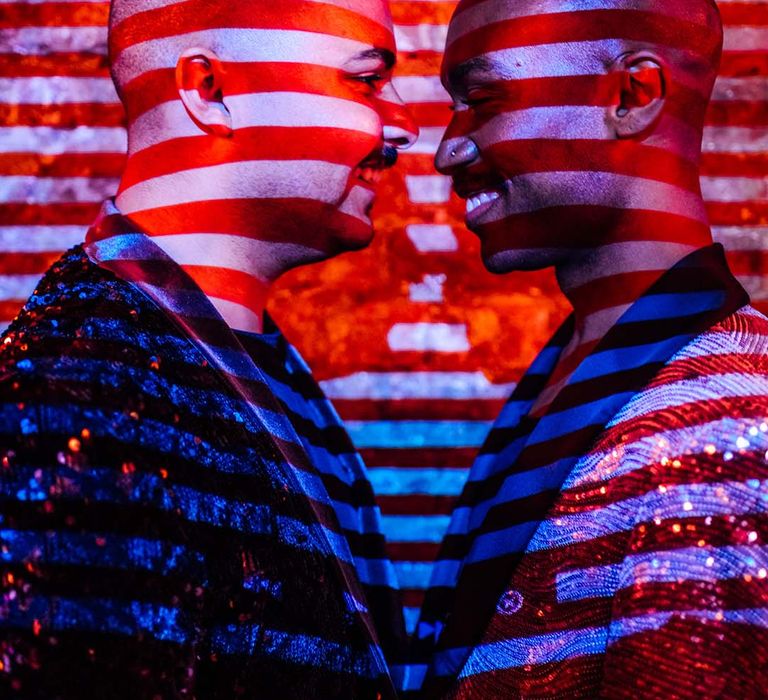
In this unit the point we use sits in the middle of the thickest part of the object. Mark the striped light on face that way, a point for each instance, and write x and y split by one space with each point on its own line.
532 145
257 134
306 84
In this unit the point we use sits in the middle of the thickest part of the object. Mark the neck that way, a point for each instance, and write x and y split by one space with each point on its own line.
659 225
603 282
226 257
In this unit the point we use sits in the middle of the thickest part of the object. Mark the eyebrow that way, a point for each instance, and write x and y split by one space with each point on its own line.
480 63
384 55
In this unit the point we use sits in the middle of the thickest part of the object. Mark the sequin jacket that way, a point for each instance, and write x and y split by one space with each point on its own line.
617 546
163 533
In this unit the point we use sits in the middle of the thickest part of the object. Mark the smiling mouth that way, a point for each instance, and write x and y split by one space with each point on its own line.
477 200
370 175
479 203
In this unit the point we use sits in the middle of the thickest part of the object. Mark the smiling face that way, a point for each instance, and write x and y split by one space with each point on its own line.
570 117
304 91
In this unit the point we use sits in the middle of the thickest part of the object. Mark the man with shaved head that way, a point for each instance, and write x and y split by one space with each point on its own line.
182 513
610 540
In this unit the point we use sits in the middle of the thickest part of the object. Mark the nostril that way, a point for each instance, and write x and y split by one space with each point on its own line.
399 137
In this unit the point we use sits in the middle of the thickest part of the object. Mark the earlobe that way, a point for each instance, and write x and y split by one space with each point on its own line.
640 94
199 81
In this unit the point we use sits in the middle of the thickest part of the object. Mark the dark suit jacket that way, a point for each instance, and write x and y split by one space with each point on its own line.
162 532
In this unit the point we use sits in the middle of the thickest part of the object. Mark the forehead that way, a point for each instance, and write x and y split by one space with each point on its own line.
377 10
151 34
249 10
578 27
134 21
475 14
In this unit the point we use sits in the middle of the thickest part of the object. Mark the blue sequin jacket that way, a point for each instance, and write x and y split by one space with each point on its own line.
159 532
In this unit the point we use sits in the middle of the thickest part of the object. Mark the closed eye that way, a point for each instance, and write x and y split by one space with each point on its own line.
372 79
477 99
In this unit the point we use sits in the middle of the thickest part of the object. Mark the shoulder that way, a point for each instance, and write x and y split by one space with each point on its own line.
79 310
719 378
86 338
737 343
72 299
706 410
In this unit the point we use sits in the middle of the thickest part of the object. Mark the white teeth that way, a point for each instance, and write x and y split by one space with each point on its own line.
481 198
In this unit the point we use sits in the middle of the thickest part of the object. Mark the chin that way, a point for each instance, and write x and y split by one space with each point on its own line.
348 240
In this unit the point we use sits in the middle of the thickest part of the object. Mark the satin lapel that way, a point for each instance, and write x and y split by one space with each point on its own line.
389 616
683 303
298 366
135 258
355 464
509 427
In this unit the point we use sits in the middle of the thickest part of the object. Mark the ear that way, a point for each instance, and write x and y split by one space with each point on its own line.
642 89
199 80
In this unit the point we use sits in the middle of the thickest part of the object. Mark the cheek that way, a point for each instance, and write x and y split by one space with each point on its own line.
315 107
305 127
353 124
522 142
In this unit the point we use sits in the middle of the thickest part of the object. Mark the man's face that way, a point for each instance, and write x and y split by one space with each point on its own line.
331 82
576 124
529 102
315 118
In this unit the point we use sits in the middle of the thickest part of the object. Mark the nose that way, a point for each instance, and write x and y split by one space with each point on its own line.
400 129
455 152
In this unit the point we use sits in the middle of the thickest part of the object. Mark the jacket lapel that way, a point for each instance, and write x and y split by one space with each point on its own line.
682 304
372 559
506 440
116 245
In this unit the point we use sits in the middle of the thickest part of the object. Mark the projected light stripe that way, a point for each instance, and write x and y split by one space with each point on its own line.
37 62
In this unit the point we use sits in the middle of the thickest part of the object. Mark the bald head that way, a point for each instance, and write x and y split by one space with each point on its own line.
257 118
588 36
578 123
149 36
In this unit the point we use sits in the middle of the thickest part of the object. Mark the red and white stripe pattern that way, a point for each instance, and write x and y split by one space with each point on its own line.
648 573
255 134
575 141
62 146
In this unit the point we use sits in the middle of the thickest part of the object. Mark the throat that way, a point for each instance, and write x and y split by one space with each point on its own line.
601 285
234 270
239 297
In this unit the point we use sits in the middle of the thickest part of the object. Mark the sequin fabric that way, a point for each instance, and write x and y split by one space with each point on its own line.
616 547
155 540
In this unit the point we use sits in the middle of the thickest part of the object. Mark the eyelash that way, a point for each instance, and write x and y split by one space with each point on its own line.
471 104
370 80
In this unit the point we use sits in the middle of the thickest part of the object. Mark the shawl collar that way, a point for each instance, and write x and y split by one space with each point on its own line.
688 299
117 245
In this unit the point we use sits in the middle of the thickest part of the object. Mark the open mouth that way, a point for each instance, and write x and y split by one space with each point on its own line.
480 202
481 192
481 199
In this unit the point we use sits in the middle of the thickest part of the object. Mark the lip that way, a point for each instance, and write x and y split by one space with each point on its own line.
369 174
479 203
